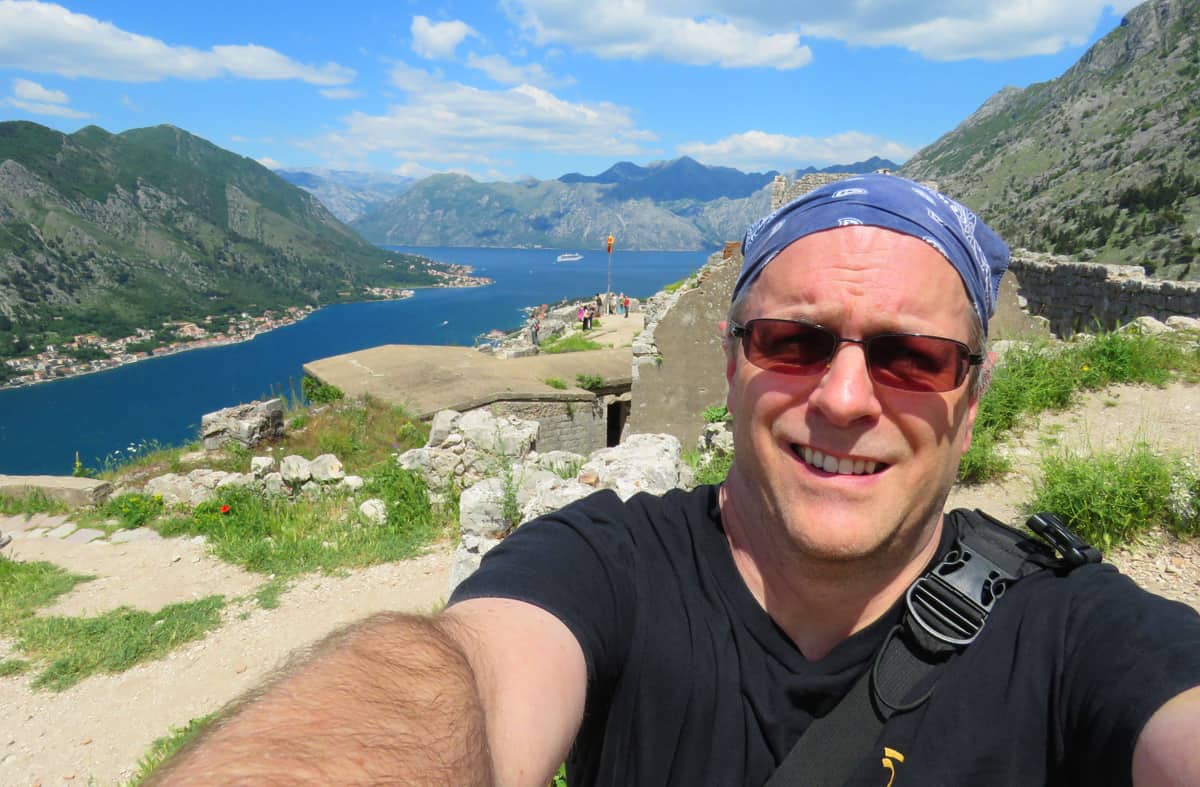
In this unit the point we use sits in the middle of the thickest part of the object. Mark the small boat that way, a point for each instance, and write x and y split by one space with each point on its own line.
569 257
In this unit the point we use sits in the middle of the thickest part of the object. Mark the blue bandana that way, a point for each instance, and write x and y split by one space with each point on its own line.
975 251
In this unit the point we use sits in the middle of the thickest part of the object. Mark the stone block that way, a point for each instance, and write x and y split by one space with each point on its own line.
84 535
71 490
137 534
62 531
248 424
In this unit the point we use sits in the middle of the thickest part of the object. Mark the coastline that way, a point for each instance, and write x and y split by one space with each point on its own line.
263 324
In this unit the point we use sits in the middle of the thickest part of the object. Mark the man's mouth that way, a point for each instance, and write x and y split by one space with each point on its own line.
833 464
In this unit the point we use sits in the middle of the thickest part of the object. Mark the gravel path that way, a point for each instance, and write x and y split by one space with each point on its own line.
96 731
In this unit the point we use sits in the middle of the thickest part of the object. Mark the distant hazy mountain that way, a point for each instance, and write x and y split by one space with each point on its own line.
1102 162
108 232
348 194
679 204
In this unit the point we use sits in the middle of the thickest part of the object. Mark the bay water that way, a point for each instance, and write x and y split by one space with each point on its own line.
107 415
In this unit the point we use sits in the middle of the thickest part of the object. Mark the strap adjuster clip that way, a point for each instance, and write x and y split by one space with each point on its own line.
952 600
1074 550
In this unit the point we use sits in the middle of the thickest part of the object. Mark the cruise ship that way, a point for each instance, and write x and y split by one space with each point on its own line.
569 257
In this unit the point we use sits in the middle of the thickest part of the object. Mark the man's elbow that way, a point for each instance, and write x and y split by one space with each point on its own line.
1167 753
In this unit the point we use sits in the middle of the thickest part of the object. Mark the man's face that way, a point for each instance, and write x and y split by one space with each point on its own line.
857 281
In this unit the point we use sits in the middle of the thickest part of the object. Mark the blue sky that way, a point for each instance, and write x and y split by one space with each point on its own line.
536 87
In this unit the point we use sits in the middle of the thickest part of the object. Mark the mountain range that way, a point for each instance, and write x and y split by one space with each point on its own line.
106 233
678 204
1102 163
103 232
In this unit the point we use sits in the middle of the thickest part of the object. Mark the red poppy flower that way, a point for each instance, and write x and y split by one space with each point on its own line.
225 509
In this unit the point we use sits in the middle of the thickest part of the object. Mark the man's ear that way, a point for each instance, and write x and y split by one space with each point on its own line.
727 346
985 377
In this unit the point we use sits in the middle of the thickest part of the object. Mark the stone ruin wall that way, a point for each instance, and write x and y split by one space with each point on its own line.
576 425
1077 296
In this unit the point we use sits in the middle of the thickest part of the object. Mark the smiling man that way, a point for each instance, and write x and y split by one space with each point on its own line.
814 620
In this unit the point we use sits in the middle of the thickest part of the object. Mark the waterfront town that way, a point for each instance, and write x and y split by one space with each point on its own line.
87 353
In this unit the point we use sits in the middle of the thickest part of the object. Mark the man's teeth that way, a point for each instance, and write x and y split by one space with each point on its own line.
831 464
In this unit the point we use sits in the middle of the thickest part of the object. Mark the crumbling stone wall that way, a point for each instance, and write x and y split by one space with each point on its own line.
577 425
1078 296
678 363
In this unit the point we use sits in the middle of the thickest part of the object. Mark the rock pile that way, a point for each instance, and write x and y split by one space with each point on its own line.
505 481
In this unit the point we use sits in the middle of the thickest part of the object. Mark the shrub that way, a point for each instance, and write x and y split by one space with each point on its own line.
589 381
555 382
318 392
716 414
1109 498
134 510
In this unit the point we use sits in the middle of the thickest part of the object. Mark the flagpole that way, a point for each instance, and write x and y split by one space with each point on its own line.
608 295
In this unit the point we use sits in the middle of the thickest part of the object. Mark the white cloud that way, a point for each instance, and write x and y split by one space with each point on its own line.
36 99
758 151
411 169
434 40
129 104
445 125
499 69
643 29
40 108
47 38
269 162
766 33
32 91
340 93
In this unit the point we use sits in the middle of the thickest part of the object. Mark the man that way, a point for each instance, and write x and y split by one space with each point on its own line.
692 638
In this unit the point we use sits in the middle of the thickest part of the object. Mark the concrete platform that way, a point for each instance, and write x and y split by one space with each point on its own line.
426 379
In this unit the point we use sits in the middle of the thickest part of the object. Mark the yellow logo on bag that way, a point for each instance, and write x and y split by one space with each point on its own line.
888 756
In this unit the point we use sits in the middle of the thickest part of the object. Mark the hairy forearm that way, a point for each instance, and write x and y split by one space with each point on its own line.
389 701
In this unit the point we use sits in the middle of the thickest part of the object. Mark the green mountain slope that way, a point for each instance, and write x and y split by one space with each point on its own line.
110 232
1102 163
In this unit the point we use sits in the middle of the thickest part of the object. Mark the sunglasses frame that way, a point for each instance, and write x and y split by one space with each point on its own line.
745 330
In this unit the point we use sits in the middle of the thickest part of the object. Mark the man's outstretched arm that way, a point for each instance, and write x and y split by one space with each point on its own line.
397 700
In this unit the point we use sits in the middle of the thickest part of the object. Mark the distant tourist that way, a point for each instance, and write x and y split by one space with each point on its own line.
625 304
534 327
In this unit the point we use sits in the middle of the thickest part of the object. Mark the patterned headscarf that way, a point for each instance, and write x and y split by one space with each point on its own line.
975 251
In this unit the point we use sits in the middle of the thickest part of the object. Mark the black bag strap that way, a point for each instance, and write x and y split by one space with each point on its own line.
946 608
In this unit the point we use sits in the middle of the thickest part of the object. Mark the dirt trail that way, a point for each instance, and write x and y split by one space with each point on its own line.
97 730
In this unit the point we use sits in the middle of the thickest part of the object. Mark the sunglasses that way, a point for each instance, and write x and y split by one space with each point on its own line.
905 361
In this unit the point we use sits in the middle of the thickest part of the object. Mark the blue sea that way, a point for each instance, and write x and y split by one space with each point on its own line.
160 400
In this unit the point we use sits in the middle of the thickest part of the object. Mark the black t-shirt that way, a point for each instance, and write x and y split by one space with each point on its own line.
690 682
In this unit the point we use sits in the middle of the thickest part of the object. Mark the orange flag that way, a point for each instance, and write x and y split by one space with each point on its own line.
610 242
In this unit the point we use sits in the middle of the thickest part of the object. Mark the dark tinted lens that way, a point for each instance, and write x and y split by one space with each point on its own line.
787 346
916 363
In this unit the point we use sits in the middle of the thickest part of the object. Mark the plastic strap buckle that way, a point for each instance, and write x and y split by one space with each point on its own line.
1074 550
952 600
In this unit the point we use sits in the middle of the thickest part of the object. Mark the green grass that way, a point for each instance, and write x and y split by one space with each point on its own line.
64 650
133 509
555 382
74 648
269 592
10 667
274 535
571 343
165 747
589 381
716 414
24 587
1042 376
33 503
712 471
1109 498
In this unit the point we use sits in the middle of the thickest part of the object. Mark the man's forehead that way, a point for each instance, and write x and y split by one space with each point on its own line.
975 252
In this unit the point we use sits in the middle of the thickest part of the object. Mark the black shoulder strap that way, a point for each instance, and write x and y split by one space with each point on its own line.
946 608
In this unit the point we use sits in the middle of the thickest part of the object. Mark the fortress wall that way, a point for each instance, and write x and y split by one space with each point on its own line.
574 425
678 363
1076 296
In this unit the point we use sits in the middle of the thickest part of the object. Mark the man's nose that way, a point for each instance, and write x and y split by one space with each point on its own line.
845 392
